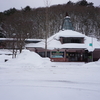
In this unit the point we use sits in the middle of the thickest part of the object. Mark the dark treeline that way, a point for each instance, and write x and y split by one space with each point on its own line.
31 22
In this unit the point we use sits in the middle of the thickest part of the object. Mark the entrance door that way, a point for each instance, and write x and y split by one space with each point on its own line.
74 56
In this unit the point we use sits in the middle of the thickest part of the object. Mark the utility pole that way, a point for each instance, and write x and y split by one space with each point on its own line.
46 32
92 48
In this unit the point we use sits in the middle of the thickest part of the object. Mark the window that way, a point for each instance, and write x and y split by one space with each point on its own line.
72 40
57 54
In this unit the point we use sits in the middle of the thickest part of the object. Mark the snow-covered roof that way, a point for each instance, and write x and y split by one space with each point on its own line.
6 39
53 42
67 33
67 17
34 39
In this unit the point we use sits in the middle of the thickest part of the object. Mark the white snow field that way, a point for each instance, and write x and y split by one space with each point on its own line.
30 77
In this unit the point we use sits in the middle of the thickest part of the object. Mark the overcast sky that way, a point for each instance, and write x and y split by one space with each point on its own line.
18 4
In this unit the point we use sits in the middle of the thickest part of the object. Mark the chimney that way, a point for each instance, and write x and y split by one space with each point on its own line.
66 14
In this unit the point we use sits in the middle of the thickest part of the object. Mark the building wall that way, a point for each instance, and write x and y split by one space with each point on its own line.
96 55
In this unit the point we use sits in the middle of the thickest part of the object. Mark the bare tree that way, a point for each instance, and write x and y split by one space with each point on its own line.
47 3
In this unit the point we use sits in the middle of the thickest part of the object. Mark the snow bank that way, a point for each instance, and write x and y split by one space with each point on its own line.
92 64
3 57
5 51
32 59
27 57
98 62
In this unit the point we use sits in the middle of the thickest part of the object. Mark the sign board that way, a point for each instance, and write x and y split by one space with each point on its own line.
57 54
90 44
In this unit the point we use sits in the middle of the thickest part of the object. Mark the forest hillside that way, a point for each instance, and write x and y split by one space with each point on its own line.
33 22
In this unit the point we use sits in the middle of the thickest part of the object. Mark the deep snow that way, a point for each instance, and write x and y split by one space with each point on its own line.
30 77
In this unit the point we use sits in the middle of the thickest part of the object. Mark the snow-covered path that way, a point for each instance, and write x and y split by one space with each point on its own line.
60 81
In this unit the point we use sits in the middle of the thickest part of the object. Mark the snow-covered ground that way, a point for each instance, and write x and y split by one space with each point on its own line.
30 77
